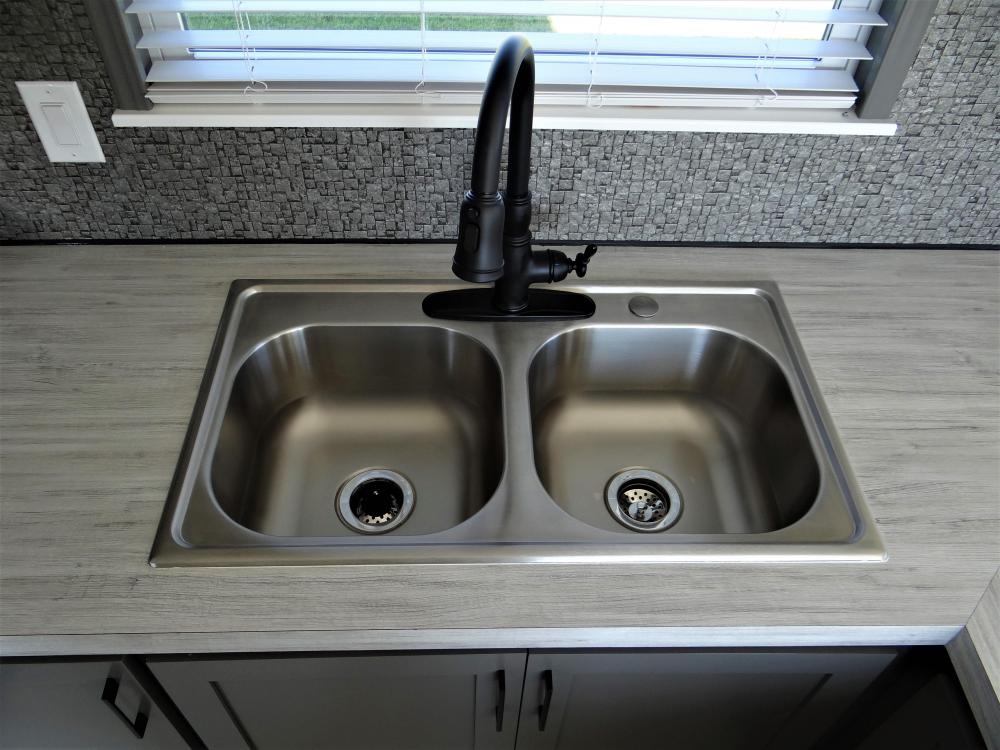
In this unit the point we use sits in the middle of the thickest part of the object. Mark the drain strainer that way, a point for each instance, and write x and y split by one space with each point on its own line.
643 500
375 501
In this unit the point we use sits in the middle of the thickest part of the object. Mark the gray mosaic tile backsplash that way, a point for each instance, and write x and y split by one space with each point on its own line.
936 183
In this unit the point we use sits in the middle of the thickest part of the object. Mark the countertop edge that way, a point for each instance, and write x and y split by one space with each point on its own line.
975 653
475 638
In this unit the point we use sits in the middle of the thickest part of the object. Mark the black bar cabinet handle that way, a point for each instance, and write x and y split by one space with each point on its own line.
110 695
501 697
543 709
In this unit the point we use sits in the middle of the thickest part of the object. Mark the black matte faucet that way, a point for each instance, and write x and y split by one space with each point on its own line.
494 239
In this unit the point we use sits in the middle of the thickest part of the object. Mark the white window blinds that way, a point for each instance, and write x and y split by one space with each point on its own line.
729 53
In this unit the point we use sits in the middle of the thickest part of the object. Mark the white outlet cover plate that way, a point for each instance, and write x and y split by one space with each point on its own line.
61 120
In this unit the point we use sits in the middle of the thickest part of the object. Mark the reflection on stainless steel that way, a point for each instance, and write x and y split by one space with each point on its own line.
509 434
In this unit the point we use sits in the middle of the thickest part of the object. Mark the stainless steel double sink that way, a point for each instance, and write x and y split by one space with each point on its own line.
339 424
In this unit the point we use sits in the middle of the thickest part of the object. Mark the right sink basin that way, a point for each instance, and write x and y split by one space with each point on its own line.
677 429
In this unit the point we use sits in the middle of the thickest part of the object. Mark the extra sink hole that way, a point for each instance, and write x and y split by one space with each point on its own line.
375 501
642 500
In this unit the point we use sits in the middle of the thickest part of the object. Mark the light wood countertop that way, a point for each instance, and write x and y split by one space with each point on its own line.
102 351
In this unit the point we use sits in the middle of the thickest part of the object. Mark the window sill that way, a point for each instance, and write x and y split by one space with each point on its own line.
547 117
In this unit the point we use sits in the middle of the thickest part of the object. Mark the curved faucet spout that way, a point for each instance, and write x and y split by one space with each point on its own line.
494 237
479 255
511 85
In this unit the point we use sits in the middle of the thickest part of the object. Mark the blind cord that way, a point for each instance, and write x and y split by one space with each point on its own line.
593 62
420 88
249 60
762 60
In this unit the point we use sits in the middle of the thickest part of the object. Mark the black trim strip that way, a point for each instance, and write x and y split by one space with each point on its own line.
535 241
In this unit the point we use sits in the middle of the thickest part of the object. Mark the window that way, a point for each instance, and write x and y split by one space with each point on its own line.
596 59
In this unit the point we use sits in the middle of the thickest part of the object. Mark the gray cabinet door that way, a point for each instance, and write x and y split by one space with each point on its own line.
60 705
434 701
689 700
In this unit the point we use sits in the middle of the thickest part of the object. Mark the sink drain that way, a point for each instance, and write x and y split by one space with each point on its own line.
643 500
375 501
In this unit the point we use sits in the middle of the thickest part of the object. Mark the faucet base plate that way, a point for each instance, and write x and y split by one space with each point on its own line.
477 304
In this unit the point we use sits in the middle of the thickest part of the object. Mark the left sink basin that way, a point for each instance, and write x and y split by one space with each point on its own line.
313 408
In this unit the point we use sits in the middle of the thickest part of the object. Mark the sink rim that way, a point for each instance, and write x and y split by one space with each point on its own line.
220 545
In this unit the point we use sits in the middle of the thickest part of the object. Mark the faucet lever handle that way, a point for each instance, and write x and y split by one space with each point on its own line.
582 260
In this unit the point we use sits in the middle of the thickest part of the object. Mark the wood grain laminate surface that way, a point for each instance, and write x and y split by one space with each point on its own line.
103 349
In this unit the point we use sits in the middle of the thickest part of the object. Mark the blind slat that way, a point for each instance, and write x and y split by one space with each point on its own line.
455 69
327 93
486 41
702 11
